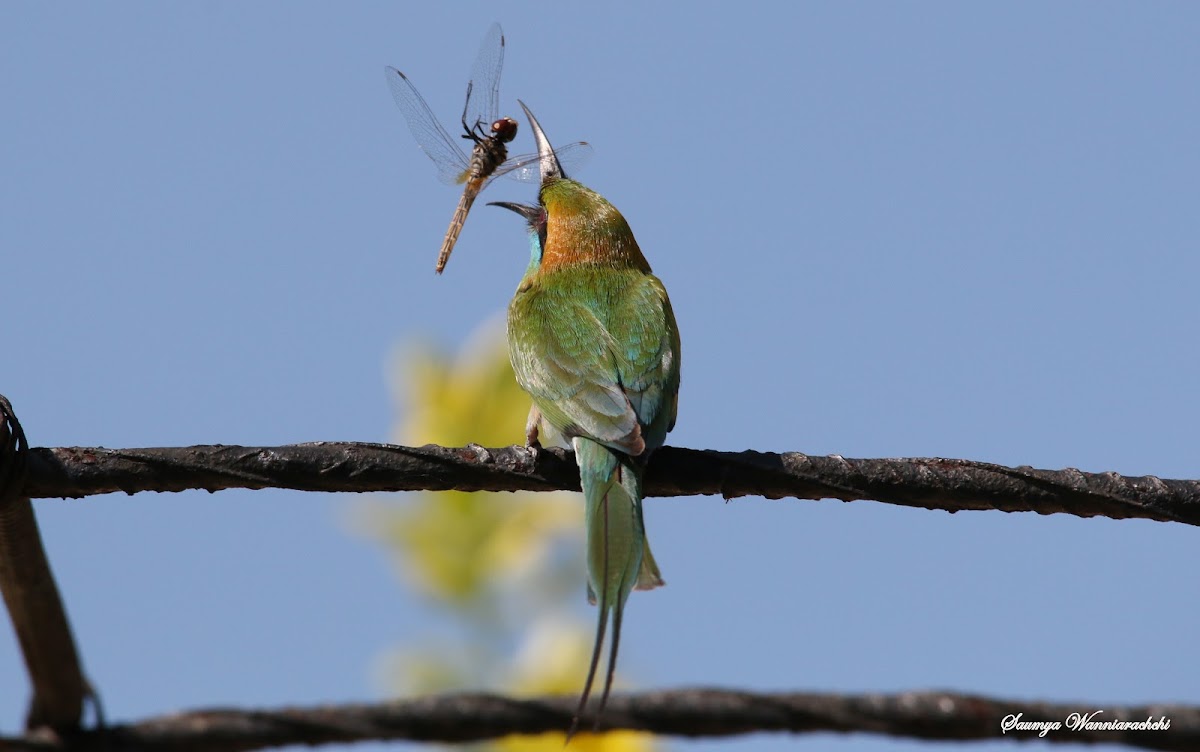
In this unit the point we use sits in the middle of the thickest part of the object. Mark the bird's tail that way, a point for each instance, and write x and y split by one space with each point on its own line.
618 556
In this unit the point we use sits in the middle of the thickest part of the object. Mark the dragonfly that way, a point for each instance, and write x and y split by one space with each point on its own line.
482 126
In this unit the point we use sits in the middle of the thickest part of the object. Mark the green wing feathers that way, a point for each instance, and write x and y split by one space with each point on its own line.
598 350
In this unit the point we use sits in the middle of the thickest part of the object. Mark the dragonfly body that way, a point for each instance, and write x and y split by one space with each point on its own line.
488 158
490 151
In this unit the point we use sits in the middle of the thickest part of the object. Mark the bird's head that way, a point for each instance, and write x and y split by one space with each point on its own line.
571 223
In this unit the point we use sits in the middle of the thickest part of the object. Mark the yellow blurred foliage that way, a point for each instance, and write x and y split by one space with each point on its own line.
507 567
454 546
472 398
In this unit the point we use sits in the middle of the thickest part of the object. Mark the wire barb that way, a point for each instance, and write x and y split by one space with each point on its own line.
14 450
31 595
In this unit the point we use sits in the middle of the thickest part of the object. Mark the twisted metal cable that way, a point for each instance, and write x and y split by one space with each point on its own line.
931 483
697 712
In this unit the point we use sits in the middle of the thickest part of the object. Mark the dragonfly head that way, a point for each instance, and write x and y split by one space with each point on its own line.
551 169
505 129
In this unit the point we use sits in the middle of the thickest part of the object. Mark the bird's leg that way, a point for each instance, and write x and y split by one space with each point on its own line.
531 433
531 428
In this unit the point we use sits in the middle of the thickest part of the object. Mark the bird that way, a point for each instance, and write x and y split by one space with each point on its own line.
593 340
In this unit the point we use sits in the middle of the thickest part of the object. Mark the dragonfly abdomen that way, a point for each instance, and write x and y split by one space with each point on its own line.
474 185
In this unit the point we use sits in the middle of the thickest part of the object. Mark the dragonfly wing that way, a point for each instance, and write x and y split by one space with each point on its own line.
483 97
526 167
445 152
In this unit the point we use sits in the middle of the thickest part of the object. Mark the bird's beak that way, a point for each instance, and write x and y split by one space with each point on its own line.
551 169
532 214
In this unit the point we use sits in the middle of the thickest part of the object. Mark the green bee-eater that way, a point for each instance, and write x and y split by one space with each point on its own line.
593 340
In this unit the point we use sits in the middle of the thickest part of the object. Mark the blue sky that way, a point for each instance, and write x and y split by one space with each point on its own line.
938 229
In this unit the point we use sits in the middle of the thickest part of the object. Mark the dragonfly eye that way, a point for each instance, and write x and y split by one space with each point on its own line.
505 129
